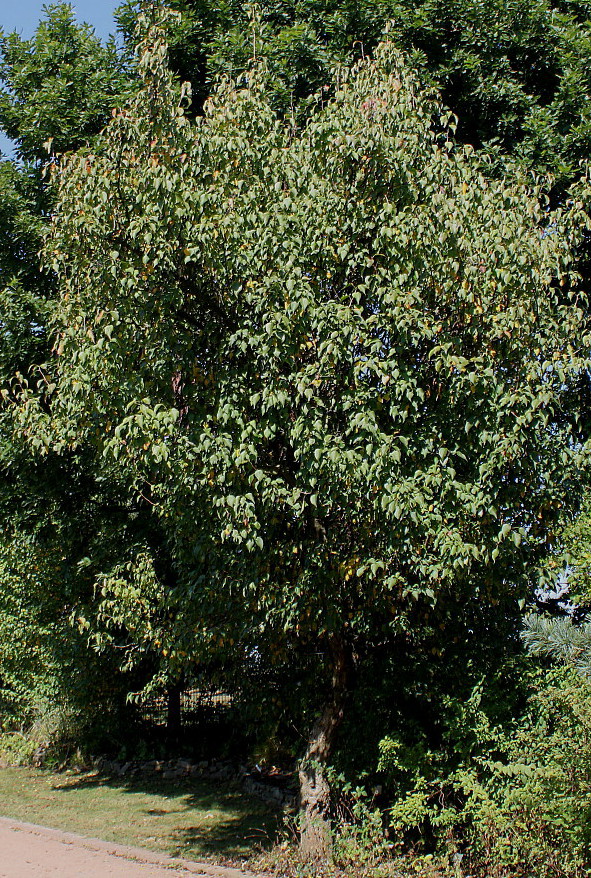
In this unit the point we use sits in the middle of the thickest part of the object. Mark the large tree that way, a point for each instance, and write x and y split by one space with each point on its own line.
333 362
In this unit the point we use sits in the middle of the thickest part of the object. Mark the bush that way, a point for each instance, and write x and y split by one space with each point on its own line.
520 805
29 630
359 836
16 748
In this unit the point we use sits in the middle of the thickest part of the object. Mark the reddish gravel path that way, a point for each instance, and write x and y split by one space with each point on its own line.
29 851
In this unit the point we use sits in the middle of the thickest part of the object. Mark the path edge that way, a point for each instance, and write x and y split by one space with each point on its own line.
141 855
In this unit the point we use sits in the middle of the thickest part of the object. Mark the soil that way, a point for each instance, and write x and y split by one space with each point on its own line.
29 851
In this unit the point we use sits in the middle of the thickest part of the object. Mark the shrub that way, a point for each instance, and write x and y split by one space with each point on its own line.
520 805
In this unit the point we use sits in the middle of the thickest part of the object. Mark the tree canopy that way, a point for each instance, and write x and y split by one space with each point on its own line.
515 73
311 368
332 360
58 89
60 85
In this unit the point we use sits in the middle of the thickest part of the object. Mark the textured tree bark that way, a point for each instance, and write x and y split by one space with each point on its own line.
315 826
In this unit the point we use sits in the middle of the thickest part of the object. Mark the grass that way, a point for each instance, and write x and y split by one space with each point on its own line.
189 818
196 819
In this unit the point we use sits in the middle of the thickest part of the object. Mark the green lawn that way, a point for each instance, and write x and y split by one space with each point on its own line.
195 819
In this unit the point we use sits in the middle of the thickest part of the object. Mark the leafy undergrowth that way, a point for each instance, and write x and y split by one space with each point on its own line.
283 861
189 818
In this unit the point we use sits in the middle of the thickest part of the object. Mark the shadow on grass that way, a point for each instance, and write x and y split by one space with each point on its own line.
236 840
218 819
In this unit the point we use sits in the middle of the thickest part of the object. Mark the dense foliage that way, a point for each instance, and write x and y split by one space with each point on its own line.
57 92
516 73
519 801
310 374
274 335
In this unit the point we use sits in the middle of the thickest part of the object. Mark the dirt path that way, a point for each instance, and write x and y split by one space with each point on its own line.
29 851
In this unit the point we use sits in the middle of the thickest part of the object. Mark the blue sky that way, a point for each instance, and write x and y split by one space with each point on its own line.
23 15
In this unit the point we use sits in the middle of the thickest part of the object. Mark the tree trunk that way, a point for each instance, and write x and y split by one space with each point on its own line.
315 827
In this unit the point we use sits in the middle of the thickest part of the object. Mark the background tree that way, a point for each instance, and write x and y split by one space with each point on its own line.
58 89
60 85
516 73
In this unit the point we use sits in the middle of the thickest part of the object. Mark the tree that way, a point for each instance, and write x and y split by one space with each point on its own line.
575 543
332 361
516 73
559 639
58 89
61 84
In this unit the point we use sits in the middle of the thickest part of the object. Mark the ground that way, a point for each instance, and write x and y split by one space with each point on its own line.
181 818
30 851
